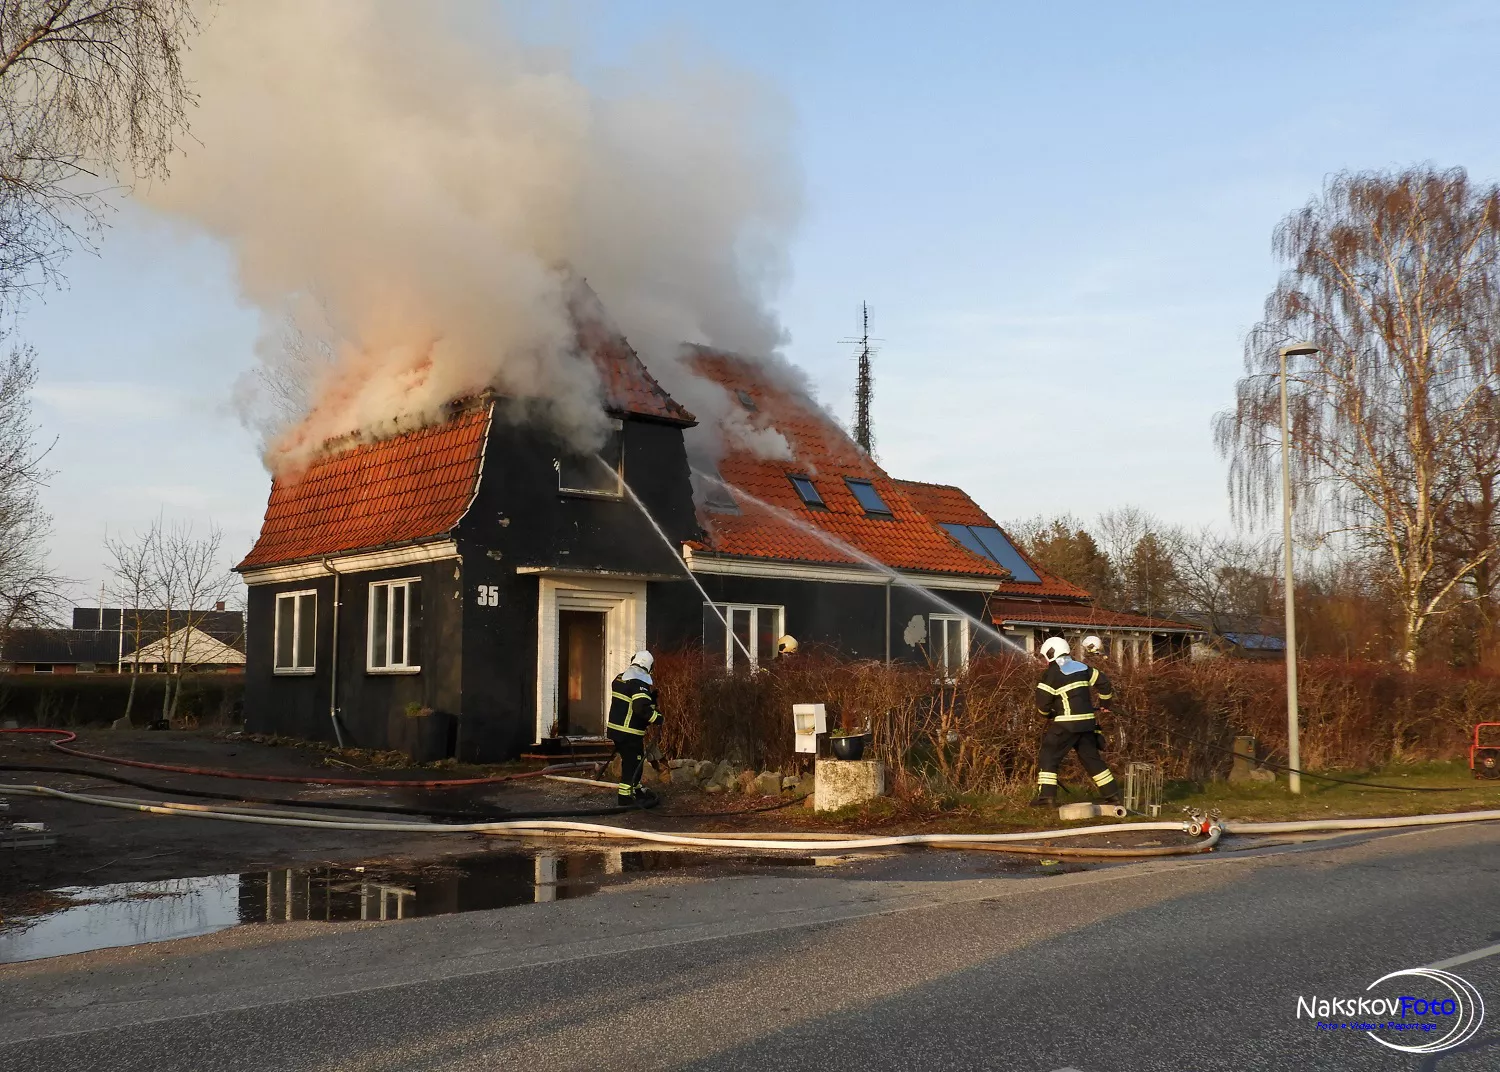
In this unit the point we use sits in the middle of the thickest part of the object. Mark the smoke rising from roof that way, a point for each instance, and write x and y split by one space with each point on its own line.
408 190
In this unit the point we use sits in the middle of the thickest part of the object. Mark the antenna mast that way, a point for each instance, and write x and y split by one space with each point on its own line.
864 387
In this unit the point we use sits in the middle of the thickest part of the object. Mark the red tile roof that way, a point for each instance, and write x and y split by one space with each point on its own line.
822 451
1020 611
948 505
628 386
402 490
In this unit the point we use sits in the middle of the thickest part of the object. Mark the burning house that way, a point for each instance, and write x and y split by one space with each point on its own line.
469 587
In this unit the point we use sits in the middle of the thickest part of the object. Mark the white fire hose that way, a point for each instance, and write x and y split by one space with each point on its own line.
1210 830
562 828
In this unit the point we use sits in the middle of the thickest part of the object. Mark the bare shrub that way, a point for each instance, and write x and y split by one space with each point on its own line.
978 734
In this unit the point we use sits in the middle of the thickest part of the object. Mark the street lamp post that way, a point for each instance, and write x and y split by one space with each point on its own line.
1293 745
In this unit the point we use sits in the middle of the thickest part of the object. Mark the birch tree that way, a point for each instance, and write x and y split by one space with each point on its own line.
1392 276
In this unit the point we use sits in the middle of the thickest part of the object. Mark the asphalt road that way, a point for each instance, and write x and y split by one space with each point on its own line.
932 962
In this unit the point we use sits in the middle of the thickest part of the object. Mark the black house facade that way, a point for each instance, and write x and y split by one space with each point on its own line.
469 588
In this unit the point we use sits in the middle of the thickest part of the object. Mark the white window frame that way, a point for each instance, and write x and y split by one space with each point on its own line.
389 667
731 649
939 657
296 597
617 427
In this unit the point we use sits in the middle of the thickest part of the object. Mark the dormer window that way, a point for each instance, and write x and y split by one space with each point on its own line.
595 474
865 494
807 491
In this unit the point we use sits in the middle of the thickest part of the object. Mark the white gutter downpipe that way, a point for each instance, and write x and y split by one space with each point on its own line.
333 688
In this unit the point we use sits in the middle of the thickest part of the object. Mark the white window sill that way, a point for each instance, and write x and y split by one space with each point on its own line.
295 671
393 669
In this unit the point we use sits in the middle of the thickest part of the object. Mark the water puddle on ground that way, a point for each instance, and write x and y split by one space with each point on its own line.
135 913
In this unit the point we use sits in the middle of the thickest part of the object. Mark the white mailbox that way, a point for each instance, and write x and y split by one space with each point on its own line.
809 720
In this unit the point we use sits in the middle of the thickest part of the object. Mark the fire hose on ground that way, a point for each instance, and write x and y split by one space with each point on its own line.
560 828
1211 831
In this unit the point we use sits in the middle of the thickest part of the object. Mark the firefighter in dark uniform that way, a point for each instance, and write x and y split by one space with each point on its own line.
632 710
1065 695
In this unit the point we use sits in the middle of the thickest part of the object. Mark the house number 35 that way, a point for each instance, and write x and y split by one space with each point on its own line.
489 595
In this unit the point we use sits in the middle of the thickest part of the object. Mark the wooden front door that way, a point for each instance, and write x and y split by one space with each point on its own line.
581 695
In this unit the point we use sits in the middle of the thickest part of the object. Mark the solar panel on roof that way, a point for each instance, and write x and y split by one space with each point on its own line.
971 542
1001 551
990 543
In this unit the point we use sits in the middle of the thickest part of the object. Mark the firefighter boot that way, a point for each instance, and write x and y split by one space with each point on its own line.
1045 797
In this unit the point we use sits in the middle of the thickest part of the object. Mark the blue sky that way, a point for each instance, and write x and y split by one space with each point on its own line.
1059 214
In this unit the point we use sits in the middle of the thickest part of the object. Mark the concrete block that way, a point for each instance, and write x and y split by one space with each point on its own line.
842 782
1091 811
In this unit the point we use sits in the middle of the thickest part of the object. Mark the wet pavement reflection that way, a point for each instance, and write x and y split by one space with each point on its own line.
135 913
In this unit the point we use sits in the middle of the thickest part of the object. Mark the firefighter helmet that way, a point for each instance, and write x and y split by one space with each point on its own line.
1054 648
1092 645
787 645
642 659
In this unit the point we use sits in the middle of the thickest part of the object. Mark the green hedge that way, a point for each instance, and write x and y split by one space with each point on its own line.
96 699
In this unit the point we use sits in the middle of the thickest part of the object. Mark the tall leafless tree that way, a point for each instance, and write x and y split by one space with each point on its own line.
168 580
130 569
1388 275
91 93
30 593
191 582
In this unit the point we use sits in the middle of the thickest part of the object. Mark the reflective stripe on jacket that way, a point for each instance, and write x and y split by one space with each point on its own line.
632 706
1065 693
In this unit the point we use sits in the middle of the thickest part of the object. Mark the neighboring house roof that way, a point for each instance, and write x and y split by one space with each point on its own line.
60 646
226 625
948 505
822 451
1256 641
406 489
188 646
1025 612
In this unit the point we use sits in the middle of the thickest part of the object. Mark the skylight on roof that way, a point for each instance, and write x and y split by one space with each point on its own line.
868 497
807 491
746 400
990 543
715 494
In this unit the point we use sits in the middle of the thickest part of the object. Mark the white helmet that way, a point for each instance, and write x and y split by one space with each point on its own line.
644 660
787 645
1054 648
1092 645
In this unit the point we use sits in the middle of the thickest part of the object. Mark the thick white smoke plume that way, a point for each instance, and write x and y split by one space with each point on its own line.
408 188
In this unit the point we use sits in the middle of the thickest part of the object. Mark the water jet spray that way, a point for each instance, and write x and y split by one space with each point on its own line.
833 541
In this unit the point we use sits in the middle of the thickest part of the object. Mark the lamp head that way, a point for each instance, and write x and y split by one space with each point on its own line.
1299 349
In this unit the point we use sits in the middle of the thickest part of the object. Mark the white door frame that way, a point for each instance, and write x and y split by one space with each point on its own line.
623 604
